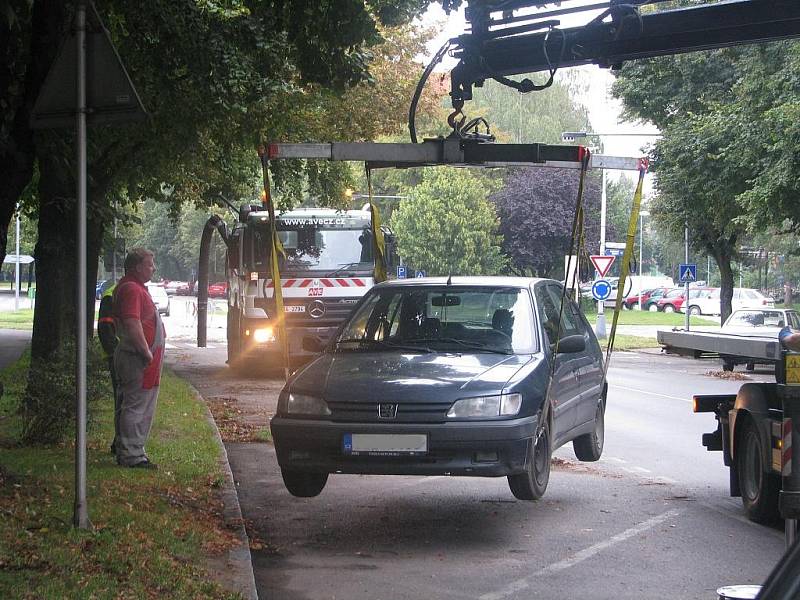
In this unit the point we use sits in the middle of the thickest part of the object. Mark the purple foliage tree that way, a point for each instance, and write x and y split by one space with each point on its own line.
536 209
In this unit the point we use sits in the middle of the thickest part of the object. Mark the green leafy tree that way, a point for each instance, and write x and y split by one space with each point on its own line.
721 113
448 227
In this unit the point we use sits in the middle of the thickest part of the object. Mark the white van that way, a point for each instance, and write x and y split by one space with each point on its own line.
742 298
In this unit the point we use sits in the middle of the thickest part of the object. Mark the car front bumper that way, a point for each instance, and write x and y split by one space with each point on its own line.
477 448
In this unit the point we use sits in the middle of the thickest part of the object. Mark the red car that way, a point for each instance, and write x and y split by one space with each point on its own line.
673 300
218 290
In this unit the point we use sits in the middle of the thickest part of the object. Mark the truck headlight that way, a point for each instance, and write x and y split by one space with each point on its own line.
501 405
302 404
263 335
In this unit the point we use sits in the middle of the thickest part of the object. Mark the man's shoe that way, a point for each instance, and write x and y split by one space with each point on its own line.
145 464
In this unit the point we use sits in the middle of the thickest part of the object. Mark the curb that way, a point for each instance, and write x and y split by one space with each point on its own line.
239 562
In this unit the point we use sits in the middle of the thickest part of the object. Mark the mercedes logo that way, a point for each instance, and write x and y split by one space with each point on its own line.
316 309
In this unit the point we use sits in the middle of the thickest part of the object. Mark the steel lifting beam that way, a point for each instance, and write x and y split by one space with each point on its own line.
484 53
450 151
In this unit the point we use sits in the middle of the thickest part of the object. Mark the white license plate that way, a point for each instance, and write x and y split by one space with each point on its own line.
298 308
377 444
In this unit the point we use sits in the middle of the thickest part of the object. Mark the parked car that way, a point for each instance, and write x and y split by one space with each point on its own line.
632 302
742 298
160 298
173 286
436 376
674 299
185 289
760 322
651 302
218 290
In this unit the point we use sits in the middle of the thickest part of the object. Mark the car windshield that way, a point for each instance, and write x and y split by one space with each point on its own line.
442 318
756 318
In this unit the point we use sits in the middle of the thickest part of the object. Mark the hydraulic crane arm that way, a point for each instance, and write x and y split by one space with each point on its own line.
498 45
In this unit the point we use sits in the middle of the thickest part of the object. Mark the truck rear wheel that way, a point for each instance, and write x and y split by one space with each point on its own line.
728 364
759 488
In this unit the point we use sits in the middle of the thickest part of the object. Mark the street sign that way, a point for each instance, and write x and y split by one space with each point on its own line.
615 251
420 274
688 273
602 263
601 289
401 272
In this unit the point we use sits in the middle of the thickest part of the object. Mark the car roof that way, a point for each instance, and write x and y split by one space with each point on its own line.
479 280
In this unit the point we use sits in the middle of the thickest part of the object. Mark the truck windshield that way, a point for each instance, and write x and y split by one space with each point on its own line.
315 248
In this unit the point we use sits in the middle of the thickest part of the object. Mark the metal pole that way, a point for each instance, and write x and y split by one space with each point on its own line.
16 289
601 317
81 513
114 249
641 220
686 260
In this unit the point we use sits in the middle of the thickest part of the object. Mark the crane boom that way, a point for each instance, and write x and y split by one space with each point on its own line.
498 46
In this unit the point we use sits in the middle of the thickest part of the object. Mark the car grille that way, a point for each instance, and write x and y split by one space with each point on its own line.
407 412
336 311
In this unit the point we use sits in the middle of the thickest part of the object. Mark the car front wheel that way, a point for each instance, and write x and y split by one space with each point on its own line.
304 484
668 308
589 447
532 484
653 308
695 311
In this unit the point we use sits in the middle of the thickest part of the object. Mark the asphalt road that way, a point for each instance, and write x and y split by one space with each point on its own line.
652 519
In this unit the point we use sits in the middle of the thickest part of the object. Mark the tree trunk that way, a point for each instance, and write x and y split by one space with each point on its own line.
54 317
723 257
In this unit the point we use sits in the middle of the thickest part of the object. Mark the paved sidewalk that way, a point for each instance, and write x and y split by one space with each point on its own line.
12 344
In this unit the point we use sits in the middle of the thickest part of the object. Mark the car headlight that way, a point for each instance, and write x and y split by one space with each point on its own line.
501 405
301 404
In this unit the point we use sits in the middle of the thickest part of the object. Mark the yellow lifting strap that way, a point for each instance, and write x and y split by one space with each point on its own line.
626 256
378 243
277 247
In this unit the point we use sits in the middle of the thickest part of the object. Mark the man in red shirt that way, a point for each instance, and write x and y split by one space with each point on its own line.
137 359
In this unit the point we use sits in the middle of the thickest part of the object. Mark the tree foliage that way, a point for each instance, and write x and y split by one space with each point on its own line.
447 226
536 208
726 160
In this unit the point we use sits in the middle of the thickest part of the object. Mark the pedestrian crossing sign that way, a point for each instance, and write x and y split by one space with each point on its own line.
688 273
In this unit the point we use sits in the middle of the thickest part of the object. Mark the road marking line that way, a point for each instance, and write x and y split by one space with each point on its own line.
622 387
642 470
614 459
580 556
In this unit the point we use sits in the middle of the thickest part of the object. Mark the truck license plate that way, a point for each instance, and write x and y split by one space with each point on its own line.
381 444
296 308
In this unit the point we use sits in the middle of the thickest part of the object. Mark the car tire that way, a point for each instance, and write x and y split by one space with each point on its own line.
759 489
304 484
668 308
531 484
695 311
653 308
589 447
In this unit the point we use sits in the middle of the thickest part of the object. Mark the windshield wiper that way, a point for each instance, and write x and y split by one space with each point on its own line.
344 267
473 345
383 344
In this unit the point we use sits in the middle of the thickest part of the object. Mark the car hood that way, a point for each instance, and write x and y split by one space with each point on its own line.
357 376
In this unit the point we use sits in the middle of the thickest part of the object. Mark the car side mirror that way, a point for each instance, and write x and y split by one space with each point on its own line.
570 344
312 343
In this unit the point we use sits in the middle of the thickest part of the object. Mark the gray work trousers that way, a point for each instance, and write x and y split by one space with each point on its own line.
136 407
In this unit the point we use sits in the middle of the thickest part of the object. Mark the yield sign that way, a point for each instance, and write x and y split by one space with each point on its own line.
602 263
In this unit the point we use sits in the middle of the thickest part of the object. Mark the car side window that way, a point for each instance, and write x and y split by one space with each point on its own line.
570 323
548 300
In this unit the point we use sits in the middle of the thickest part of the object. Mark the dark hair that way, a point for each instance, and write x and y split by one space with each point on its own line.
135 257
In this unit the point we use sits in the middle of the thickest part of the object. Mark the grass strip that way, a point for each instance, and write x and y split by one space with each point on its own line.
643 317
152 529
17 319
630 342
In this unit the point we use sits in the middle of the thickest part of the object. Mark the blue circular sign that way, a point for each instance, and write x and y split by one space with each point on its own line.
601 289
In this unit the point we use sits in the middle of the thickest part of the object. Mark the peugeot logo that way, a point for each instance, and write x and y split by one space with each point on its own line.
387 411
316 309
